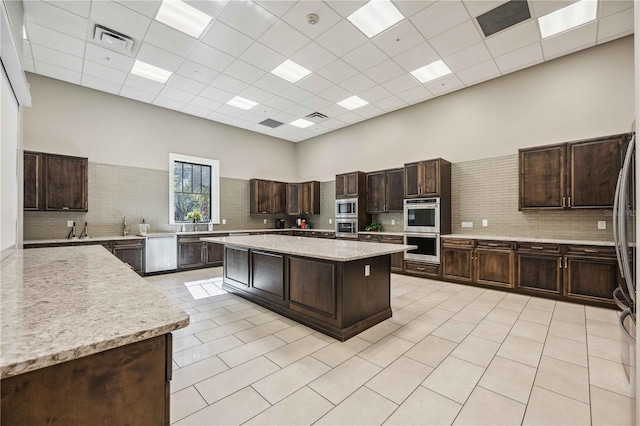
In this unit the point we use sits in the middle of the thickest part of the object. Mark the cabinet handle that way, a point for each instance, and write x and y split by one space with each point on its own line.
537 248
65 208
566 265
419 268
569 202
590 251
564 201
492 245
560 263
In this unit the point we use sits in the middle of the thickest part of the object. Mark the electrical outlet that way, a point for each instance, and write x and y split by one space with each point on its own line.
393 221
367 270
485 222
69 224
330 221
467 224
602 224
224 221
265 221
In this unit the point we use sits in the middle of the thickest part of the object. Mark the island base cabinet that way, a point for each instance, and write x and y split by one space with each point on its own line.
124 385
267 272
236 266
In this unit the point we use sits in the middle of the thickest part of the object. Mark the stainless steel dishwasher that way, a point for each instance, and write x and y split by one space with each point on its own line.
161 252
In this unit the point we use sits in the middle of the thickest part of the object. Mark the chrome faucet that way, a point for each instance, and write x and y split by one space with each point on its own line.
72 233
125 231
85 231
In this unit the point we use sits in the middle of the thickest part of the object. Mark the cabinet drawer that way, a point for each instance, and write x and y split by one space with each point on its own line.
457 242
426 269
391 239
604 251
493 245
325 235
539 247
128 244
369 237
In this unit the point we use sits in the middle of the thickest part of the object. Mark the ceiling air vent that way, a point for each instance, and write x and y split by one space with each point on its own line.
317 115
504 16
112 39
271 123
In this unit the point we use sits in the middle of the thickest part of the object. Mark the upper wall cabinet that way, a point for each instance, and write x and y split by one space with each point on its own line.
385 191
303 198
430 178
581 174
55 182
267 196
350 185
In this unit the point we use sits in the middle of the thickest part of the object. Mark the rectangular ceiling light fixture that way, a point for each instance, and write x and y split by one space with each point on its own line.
568 17
242 103
290 71
151 72
375 17
431 72
353 102
301 123
183 17
24 33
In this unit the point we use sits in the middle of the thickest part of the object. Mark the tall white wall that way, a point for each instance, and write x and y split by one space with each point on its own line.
9 183
586 94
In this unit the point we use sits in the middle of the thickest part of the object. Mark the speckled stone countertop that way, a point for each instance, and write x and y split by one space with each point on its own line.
84 240
338 250
239 231
63 303
396 234
531 240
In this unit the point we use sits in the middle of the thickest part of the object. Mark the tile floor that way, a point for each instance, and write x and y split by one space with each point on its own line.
451 354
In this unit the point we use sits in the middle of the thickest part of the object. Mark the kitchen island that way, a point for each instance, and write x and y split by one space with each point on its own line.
337 287
85 340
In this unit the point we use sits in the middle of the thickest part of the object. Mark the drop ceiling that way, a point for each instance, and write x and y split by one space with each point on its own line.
246 40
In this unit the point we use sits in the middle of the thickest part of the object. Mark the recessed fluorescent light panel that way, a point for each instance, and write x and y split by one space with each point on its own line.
375 17
151 72
290 71
352 103
301 123
242 103
24 33
183 17
432 71
568 17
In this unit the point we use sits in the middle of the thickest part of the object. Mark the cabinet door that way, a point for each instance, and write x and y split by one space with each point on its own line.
65 182
32 180
395 190
593 172
352 184
412 175
215 254
341 186
457 263
590 278
539 272
310 197
236 266
293 199
132 256
495 267
190 254
376 190
430 178
278 192
397 262
267 278
543 177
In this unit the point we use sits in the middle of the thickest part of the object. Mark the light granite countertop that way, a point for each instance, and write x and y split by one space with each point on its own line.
84 240
396 234
240 231
531 240
63 303
319 248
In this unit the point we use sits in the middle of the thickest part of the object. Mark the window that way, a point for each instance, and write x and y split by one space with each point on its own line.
194 185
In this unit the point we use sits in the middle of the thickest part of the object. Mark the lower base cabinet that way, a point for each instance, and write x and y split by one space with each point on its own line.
457 258
590 278
131 253
194 253
429 270
538 272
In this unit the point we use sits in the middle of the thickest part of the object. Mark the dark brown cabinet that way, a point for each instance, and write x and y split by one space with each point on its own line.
130 252
32 180
267 275
190 253
429 178
457 257
385 191
397 259
539 267
293 199
494 263
303 198
590 273
350 185
267 196
214 254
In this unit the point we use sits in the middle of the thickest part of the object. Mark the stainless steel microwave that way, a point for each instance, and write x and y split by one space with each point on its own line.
422 215
347 228
347 207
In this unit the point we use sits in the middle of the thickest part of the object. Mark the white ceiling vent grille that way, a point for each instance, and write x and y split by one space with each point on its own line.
317 115
112 39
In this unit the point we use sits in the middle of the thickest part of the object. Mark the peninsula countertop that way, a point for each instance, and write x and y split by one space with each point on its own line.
336 250
63 303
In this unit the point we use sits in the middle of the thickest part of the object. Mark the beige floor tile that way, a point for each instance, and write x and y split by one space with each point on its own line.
601 314
251 350
338 352
198 353
453 330
468 294
452 304
224 330
345 379
302 408
185 342
210 314
234 409
194 328
541 304
509 378
242 305
363 407
490 330
454 378
294 333
230 381
415 331
564 378
431 350
489 408
404 316
609 408
264 318
512 304
425 407
476 350
469 316
521 350
235 316
438 296
482 305
422 305
604 329
566 315
386 350
536 315
283 383
503 316
549 408
397 381
605 348
196 372
568 330
296 350
529 330
566 350
399 303
436 316
324 337
379 331
610 375
257 332
185 402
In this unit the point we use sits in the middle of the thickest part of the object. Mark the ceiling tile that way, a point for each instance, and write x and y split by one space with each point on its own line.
168 103
468 57
541 8
169 39
415 95
391 103
138 95
159 57
256 95
178 95
205 103
611 7
262 57
243 124
117 17
313 57
284 39
398 38
197 111
28 64
81 8
99 84
316 103
185 84
410 7
345 8
332 110
143 84
295 94
115 60
251 117
478 7
314 84
341 39
264 111
55 40
57 72
401 84
230 110
384 71
279 103
297 17
210 57
446 84
243 71
456 39
416 57
375 94
229 84
521 58
369 111
337 71
570 41
513 38
57 58
349 117
247 17
440 17
209 7
335 94
226 39
104 73
271 83
364 57
332 123
284 117
26 49
148 8
615 26
55 18
299 110
479 73
219 117
358 83
197 72
277 7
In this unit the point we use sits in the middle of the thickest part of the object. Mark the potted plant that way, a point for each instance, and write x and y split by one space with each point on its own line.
374 227
195 216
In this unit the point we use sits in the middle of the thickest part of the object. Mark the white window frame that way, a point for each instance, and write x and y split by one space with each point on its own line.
215 184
